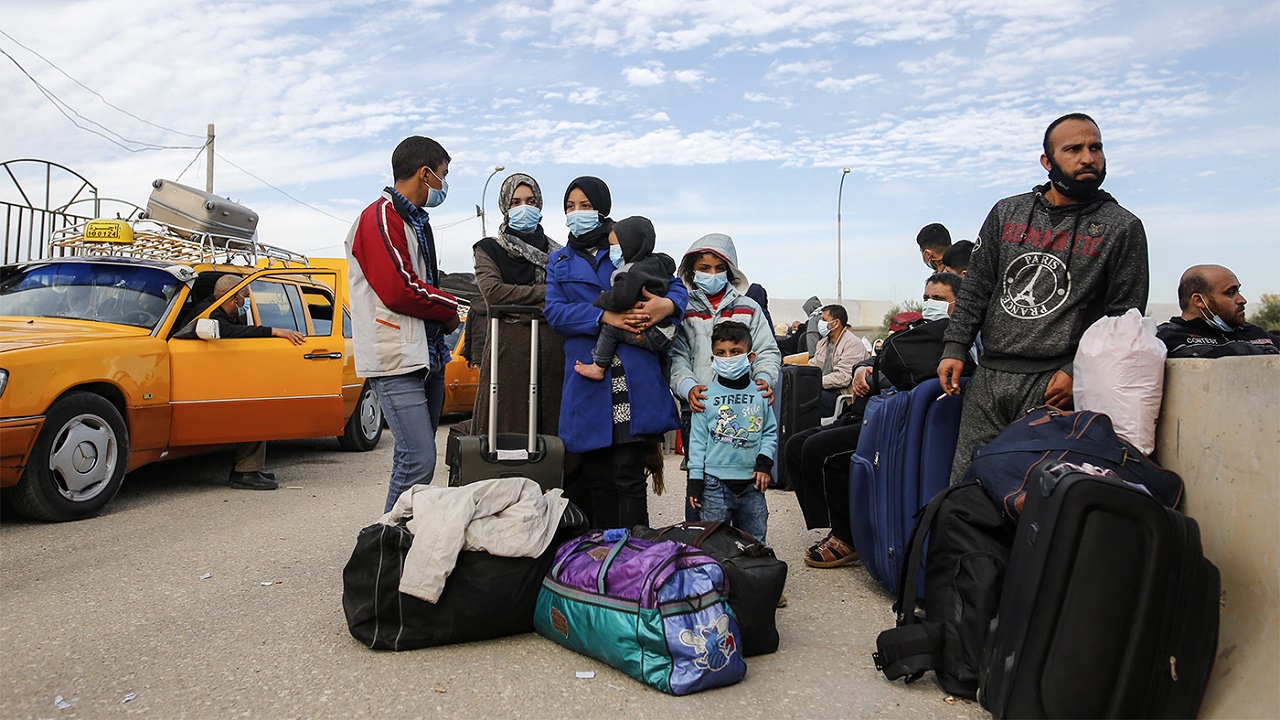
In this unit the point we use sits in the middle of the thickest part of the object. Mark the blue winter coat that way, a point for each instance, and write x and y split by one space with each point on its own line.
586 408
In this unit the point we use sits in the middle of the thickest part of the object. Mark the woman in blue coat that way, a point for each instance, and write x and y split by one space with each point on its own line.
609 425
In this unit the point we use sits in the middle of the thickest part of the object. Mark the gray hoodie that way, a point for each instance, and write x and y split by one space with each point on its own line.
691 351
1041 275
813 306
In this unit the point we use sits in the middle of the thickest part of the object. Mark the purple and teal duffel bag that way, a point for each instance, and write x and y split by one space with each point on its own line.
654 610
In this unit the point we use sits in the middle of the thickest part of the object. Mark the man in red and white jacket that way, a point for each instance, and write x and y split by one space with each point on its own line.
399 317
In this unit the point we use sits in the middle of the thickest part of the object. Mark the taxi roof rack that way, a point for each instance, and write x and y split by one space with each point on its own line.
156 240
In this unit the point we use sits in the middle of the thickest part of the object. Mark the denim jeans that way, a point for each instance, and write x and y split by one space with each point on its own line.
411 403
746 511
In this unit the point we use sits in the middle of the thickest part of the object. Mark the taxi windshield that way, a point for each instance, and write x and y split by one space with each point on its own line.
134 295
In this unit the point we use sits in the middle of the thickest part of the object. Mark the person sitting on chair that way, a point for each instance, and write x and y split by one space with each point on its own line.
837 352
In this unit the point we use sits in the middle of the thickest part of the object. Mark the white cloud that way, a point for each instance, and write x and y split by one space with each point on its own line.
651 74
835 85
799 68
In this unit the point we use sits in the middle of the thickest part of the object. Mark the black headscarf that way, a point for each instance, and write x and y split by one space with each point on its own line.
597 193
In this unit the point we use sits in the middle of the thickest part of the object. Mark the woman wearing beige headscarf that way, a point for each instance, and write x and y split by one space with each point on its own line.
511 270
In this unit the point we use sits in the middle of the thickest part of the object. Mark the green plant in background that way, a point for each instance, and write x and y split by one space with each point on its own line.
1268 316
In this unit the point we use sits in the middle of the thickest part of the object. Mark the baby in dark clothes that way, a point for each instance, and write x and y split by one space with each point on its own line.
631 246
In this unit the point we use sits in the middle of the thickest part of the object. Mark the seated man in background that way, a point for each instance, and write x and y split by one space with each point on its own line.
1212 323
248 472
818 459
837 352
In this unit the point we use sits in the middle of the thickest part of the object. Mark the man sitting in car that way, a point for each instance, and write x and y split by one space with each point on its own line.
248 472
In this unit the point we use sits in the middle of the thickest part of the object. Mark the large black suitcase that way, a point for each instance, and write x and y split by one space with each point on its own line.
190 210
1109 607
492 455
801 398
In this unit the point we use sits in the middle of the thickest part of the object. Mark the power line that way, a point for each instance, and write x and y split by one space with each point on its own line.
193 160
282 192
91 90
60 104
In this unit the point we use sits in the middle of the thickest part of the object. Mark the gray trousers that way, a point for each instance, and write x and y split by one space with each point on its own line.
992 400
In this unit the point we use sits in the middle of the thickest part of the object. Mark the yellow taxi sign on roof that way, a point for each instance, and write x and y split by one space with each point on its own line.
108 231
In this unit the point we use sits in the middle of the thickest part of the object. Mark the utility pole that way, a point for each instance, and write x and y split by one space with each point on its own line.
208 162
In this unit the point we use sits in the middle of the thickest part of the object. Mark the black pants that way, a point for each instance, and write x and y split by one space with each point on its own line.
608 485
818 468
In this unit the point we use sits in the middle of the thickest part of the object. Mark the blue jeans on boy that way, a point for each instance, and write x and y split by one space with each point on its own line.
411 403
745 510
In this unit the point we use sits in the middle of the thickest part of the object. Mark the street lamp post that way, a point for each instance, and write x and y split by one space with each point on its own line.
839 257
497 169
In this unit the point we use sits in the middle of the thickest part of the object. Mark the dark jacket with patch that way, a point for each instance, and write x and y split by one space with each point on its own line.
1041 275
1198 339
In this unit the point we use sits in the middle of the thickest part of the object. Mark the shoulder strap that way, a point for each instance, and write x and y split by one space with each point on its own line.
1113 453
904 604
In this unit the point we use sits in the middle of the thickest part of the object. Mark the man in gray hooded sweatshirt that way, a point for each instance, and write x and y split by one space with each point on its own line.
1048 264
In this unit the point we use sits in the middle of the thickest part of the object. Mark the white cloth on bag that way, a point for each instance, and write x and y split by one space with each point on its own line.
1119 371
508 517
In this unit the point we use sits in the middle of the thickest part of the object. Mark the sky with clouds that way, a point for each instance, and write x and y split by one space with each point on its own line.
718 116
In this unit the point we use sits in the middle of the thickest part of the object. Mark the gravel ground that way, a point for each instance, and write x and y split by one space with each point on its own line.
159 607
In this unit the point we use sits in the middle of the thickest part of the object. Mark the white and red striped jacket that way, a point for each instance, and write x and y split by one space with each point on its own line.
392 305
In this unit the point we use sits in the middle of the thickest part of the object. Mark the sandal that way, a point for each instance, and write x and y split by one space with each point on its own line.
832 552
814 547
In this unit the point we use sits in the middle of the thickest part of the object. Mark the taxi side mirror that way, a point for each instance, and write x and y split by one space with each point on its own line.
207 329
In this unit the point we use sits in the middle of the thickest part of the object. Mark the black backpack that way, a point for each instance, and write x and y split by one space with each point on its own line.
969 545
911 356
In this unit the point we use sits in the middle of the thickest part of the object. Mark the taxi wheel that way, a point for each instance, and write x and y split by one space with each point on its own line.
77 463
364 427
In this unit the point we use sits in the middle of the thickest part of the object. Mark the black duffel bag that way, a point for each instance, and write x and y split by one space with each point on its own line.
756 576
485 597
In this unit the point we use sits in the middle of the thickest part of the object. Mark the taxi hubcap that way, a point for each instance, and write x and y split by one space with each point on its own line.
83 457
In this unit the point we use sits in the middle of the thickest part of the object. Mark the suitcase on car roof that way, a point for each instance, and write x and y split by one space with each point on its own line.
188 209
532 455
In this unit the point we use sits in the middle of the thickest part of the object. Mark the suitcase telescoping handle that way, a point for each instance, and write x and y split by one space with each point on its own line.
495 313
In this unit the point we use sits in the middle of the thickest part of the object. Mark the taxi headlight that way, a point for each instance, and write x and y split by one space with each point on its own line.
4 381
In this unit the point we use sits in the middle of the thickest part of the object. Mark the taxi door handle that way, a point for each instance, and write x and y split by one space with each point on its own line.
323 356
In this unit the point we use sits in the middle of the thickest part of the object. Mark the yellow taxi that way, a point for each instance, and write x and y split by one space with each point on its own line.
97 376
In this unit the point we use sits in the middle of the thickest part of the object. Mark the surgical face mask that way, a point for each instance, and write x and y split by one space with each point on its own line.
524 217
434 196
934 309
731 368
824 327
581 222
1072 188
710 283
1214 320
615 255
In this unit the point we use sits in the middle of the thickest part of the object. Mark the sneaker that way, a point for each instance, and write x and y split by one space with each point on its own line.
252 481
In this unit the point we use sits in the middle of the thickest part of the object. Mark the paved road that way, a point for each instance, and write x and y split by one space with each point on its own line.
98 610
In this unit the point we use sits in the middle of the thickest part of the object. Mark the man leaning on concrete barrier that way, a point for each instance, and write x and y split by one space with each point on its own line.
1212 322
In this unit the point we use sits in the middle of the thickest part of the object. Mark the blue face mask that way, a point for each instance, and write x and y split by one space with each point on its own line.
934 309
615 255
581 222
710 283
731 368
434 196
524 217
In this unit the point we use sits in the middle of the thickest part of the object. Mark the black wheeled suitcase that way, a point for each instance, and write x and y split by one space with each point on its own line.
188 209
494 454
1109 607
801 398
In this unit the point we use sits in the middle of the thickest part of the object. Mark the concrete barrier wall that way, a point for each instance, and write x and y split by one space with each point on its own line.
1220 429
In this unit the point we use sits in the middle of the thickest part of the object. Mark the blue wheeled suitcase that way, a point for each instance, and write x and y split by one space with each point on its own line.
1109 607
903 459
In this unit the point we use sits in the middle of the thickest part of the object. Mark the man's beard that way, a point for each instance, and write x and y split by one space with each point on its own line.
1073 188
